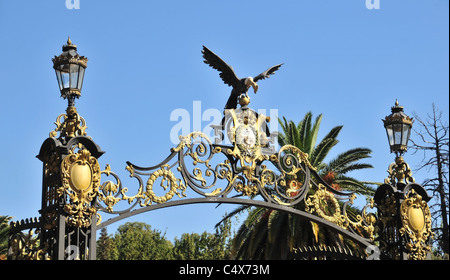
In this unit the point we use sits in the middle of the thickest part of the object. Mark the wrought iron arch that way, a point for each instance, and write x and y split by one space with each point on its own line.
237 166
291 179
78 192
364 242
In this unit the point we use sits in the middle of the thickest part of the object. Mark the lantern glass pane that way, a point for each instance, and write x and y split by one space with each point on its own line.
397 133
390 134
65 77
80 78
58 76
74 75
406 134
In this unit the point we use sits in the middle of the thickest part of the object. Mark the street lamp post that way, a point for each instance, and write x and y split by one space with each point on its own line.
71 170
398 129
404 217
70 68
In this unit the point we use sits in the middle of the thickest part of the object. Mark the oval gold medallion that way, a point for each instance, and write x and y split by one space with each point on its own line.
416 218
81 176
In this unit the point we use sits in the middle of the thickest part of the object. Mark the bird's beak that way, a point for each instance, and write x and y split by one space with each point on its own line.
249 82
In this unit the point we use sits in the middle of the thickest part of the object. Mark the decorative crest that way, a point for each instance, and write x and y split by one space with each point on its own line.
80 175
416 220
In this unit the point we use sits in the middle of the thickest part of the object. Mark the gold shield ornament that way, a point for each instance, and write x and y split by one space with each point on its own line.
416 220
80 176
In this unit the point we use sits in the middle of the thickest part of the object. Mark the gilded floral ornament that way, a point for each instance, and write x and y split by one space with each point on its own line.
108 190
325 204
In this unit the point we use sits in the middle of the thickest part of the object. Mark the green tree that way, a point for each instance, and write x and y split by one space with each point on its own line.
271 234
106 250
137 241
205 246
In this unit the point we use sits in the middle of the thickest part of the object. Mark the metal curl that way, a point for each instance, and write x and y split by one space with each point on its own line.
287 183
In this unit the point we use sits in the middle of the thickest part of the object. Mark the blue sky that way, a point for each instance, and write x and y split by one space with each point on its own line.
341 59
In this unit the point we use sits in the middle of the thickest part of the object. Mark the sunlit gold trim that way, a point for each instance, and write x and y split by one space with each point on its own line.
416 220
399 172
80 176
70 124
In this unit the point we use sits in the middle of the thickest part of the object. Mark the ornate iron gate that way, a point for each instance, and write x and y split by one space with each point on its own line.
239 162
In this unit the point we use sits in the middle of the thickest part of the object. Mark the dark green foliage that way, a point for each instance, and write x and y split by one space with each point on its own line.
137 241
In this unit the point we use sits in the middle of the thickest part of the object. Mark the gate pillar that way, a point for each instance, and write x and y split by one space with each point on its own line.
404 216
71 172
71 176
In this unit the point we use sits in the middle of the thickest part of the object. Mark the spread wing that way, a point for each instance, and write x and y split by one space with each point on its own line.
226 71
267 73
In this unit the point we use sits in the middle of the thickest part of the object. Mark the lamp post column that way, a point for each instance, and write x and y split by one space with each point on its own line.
404 216
71 176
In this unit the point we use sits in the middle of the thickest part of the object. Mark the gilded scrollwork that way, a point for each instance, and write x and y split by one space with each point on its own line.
399 171
80 177
298 155
214 170
168 181
70 124
325 204
365 222
108 193
27 246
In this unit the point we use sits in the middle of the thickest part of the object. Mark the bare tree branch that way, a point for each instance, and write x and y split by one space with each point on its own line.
432 136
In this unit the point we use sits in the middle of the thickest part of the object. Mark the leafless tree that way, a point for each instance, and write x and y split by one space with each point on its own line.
433 140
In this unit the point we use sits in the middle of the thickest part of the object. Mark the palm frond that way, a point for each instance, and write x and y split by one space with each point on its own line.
345 159
334 132
303 128
313 134
235 212
322 150
353 185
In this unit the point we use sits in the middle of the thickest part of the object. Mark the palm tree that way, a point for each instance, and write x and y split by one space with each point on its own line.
304 136
271 234
4 231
